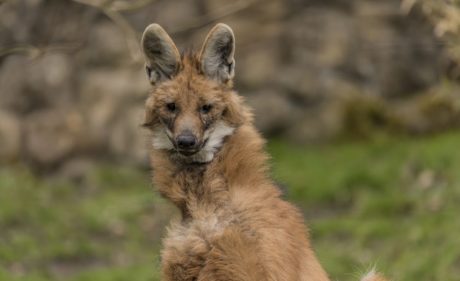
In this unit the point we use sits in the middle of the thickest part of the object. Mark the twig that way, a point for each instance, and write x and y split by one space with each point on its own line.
407 5
132 37
112 9
126 6
214 16
34 52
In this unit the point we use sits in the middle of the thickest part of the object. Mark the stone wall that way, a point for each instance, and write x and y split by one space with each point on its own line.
72 83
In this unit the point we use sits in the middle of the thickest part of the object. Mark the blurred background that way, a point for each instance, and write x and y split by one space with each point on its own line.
360 101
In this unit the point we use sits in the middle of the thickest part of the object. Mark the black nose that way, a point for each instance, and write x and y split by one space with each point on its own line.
186 141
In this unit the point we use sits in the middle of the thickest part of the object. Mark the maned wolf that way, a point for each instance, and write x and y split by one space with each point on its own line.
209 160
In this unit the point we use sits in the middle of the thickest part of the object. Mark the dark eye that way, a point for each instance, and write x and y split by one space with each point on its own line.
206 108
171 106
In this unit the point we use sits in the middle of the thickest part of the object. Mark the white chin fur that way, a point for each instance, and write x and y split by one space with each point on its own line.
160 140
215 137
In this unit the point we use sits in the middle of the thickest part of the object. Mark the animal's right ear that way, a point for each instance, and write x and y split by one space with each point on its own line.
161 55
217 54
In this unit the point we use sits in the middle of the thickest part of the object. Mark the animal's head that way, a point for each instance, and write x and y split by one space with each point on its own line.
192 108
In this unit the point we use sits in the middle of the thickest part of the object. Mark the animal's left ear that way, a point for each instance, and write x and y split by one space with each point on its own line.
162 59
217 54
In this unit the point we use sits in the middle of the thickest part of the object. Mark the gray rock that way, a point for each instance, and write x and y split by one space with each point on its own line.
52 136
273 111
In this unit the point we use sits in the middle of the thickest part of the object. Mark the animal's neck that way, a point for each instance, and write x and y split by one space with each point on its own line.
240 163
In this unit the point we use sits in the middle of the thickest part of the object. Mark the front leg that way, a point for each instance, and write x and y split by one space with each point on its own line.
184 256
233 257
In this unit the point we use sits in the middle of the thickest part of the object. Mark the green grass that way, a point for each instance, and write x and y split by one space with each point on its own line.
390 203
108 228
393 203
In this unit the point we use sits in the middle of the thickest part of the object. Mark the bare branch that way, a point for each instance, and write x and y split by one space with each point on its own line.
113 8
215 15
126 6
132 37
34 52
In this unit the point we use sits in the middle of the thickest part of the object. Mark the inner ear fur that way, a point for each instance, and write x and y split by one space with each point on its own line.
217 54
161 55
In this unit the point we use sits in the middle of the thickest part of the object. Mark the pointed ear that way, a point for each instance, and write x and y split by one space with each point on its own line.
161 55
216 56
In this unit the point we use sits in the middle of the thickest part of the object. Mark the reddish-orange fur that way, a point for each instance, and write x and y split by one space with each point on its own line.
234 224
